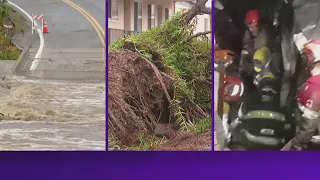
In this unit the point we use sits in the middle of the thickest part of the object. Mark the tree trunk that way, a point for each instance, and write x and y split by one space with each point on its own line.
199 7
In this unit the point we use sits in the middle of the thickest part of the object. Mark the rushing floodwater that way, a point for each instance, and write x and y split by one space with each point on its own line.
47 115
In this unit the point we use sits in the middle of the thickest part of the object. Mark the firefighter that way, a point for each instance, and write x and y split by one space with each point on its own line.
308 100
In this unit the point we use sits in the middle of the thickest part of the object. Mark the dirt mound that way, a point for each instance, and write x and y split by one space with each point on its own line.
189 141
136 99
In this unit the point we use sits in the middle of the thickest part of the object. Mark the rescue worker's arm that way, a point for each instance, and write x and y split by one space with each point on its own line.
247 41
245 65
220 55
308 126
223 56
309 105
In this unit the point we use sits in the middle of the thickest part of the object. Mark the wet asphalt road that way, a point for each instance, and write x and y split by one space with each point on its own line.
53 115
67 27
72 44
60 105
96 8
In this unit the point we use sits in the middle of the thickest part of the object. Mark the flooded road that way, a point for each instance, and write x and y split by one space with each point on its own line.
57 115
52 115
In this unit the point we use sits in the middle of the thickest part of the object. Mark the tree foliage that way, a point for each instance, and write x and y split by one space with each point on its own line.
189 60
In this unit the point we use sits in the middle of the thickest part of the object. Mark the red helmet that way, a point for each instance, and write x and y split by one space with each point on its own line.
309 97
252 17
312 52
233 89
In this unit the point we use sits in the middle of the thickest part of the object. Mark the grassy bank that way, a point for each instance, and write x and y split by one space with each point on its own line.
8 51
152 142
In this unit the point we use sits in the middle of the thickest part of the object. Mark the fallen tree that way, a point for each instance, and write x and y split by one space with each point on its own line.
159 83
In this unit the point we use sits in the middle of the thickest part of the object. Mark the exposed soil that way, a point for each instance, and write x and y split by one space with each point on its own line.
135 96
189 141
138 104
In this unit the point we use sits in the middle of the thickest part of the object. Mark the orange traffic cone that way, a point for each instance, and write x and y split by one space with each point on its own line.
45 27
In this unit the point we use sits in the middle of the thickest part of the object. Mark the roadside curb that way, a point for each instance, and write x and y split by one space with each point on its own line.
22 57
24 50
17 65
21 13
27 16
18 46
10 67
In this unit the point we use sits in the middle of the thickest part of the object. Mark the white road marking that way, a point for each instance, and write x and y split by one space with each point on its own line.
37 57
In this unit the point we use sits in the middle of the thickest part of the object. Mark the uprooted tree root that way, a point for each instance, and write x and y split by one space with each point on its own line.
136 98
183 141
138 103
156 88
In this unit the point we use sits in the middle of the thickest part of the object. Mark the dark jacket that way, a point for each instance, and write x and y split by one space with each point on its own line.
266 37
250 45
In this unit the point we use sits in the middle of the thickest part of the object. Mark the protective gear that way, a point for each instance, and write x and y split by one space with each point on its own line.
309 105
260 58
233 89
223 56
309 97
252 17
258 61
264 78
312 53
267 82
251 44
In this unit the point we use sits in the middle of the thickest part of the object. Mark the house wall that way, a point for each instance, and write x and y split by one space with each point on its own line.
126 13
125 21
119 23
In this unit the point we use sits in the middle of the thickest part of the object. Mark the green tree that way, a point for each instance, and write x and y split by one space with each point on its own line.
4 12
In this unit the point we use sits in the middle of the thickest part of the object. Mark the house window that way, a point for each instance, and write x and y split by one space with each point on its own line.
137 16
113 9
166 13
151 15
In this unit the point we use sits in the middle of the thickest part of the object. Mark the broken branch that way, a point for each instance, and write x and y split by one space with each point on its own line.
199 34
206 11
158 74
195 10
167 76
203 80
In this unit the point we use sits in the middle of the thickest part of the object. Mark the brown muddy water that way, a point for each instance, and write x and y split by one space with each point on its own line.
52 115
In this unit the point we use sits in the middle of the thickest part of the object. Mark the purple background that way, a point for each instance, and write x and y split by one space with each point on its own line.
158 165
